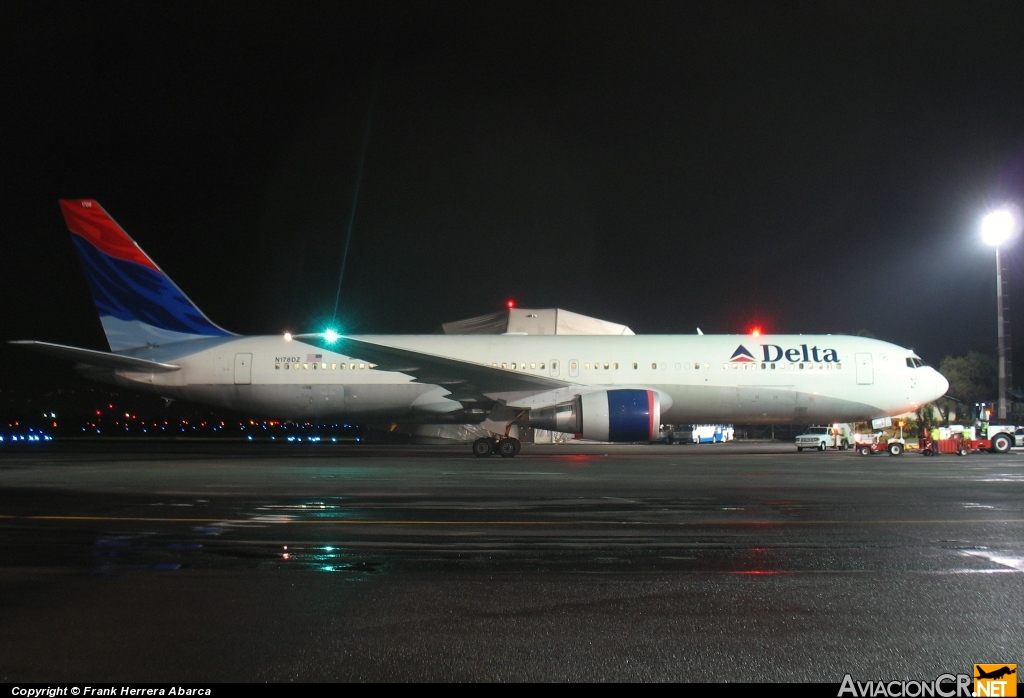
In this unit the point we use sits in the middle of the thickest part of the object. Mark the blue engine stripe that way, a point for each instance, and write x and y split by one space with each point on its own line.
629 415
129 291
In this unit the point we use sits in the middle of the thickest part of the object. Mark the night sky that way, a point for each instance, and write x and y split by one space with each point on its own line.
814 167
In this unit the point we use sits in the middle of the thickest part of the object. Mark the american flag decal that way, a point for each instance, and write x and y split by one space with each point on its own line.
314 357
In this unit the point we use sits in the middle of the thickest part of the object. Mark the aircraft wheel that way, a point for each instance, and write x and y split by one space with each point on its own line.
508 448
864 450
895 449
1000 443
482 448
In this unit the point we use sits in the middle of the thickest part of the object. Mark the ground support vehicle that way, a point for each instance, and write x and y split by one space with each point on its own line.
934 447
824 437
673 434
999 443
879 444
712 433
1015 433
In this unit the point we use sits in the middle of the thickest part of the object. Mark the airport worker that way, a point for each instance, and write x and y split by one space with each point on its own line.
936 436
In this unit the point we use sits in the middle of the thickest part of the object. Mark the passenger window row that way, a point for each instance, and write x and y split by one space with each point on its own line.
697 366
612 366
306 366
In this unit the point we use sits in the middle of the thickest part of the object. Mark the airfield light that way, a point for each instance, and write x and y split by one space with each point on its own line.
330 336
997 228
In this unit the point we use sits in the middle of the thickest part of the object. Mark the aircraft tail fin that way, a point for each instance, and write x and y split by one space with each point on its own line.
137 302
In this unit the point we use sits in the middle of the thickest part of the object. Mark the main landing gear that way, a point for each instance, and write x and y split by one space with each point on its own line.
506 447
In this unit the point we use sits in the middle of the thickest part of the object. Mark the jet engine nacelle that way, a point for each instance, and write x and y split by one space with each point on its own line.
607 415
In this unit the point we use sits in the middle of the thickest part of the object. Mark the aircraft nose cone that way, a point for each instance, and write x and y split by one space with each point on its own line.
941 385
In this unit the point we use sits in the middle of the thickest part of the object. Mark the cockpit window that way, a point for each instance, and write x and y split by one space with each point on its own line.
914 362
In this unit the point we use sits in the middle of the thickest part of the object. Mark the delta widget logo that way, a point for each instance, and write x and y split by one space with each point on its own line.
995 680
742 356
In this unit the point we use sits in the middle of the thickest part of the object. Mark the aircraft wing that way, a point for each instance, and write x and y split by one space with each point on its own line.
102 359
467 381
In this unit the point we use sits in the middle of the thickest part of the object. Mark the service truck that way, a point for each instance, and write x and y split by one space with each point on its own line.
992 438
821 437
712 433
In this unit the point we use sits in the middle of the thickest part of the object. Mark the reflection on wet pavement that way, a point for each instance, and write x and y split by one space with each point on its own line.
568 566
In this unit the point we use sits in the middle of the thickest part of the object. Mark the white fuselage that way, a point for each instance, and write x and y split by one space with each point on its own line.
701 378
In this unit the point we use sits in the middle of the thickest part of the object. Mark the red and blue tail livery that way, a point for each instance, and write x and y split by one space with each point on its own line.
137 303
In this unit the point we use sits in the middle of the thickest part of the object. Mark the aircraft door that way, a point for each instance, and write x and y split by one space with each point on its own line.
243 369
574 368
865 369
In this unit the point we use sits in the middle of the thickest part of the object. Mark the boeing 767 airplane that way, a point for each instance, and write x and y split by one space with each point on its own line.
606 388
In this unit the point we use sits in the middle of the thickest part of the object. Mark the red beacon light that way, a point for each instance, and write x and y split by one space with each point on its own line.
755 332
510 303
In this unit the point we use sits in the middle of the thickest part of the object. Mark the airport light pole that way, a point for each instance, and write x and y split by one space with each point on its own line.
997 228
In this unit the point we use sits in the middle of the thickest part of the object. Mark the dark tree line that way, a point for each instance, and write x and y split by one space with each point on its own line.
972 380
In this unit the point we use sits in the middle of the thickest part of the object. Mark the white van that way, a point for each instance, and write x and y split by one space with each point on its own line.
712 433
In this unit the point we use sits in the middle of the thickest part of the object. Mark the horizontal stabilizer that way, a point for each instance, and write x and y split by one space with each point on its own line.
102 359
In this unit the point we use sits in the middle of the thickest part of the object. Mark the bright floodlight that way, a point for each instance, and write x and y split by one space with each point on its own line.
331 336
998 226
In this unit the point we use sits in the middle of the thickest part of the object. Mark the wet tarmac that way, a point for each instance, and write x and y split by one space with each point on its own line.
198 562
